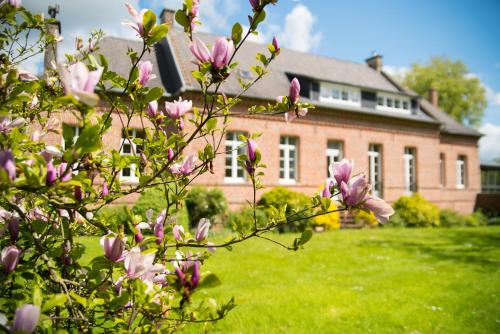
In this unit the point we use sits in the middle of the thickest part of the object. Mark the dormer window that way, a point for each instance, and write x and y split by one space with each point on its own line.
339 94
393 102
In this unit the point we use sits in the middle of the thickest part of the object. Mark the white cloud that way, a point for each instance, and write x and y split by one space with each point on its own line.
298 33
488 145
396 71
492 96
78 18
215 15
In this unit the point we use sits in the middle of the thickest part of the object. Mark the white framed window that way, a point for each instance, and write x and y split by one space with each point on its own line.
334 153
410 157
442 170
461 167
234 146
375 168
129 148
339 94
288 160
393 102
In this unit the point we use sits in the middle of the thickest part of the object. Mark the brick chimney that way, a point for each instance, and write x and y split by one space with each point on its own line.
375 62
167 16
434 97
54 29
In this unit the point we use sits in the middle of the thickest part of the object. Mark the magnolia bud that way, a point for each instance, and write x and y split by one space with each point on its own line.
51 177
26 319
10 258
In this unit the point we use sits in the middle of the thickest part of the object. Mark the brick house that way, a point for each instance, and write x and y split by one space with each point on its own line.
403 142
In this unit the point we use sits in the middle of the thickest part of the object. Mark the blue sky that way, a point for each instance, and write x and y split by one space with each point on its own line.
402 31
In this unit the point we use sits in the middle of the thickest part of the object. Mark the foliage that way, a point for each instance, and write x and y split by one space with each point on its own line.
365 218
242 220
281 199
205 203
451 218
416 211
330 221
460 95
136 282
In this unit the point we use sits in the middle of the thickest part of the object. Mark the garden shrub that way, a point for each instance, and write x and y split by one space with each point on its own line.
451 218
205 203
116 215
329 221
277 197
416 211
365 218
151 198
477 218
242 221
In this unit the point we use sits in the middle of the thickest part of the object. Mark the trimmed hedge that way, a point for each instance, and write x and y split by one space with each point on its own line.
415 211
205 203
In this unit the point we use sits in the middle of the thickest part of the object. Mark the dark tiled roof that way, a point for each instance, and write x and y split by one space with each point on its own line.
176 75
448 124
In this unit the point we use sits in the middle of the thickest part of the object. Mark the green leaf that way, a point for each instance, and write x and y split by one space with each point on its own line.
89 140
37 296
305 237
79 299
148 21
181 18
236 33
210 281
157 33
261 17
54 301
154 94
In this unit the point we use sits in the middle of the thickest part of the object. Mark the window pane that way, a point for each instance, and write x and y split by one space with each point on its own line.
127 149
396 104
345 95
126 172
335 94
380 101
405 105
389 103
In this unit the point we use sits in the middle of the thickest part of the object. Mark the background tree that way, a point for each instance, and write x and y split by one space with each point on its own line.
460 94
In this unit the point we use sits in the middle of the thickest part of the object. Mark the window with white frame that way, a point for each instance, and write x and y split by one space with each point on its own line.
130 148
288 159
410 157
334 153
393 102
340 94
461 171
234 147
375 169
442 170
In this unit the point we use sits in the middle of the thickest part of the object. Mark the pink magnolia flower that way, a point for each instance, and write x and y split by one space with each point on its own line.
252 150
341 171
291 115
178 232
105 190
170 154
138 264
294 92
13 227
326 190
24 75
202 230
222 51
177 109
276 45
379 207
80 82
200 51
187 166
15 3
51 176
152 109
63 175
254 4
26 319
145 72
138 18
355 192
78 193
6 124
10 258
211 247
158 232
8 163
114 247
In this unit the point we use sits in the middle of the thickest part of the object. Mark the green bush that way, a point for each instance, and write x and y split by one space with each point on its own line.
205 203
451 218
295 201
477 218
416 211
152 198
241 221
365 218
330 221
116 214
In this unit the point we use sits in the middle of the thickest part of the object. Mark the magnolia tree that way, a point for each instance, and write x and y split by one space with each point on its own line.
137 283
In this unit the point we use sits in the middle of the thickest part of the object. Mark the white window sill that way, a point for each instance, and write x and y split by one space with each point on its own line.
232 180
460 186
129 181
287 181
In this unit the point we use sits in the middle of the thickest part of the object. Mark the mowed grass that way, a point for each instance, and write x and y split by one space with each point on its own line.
363 281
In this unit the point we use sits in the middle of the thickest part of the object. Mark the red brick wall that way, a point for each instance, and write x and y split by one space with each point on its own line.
356 131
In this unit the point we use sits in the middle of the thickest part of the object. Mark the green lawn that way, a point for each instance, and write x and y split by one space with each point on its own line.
366 281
